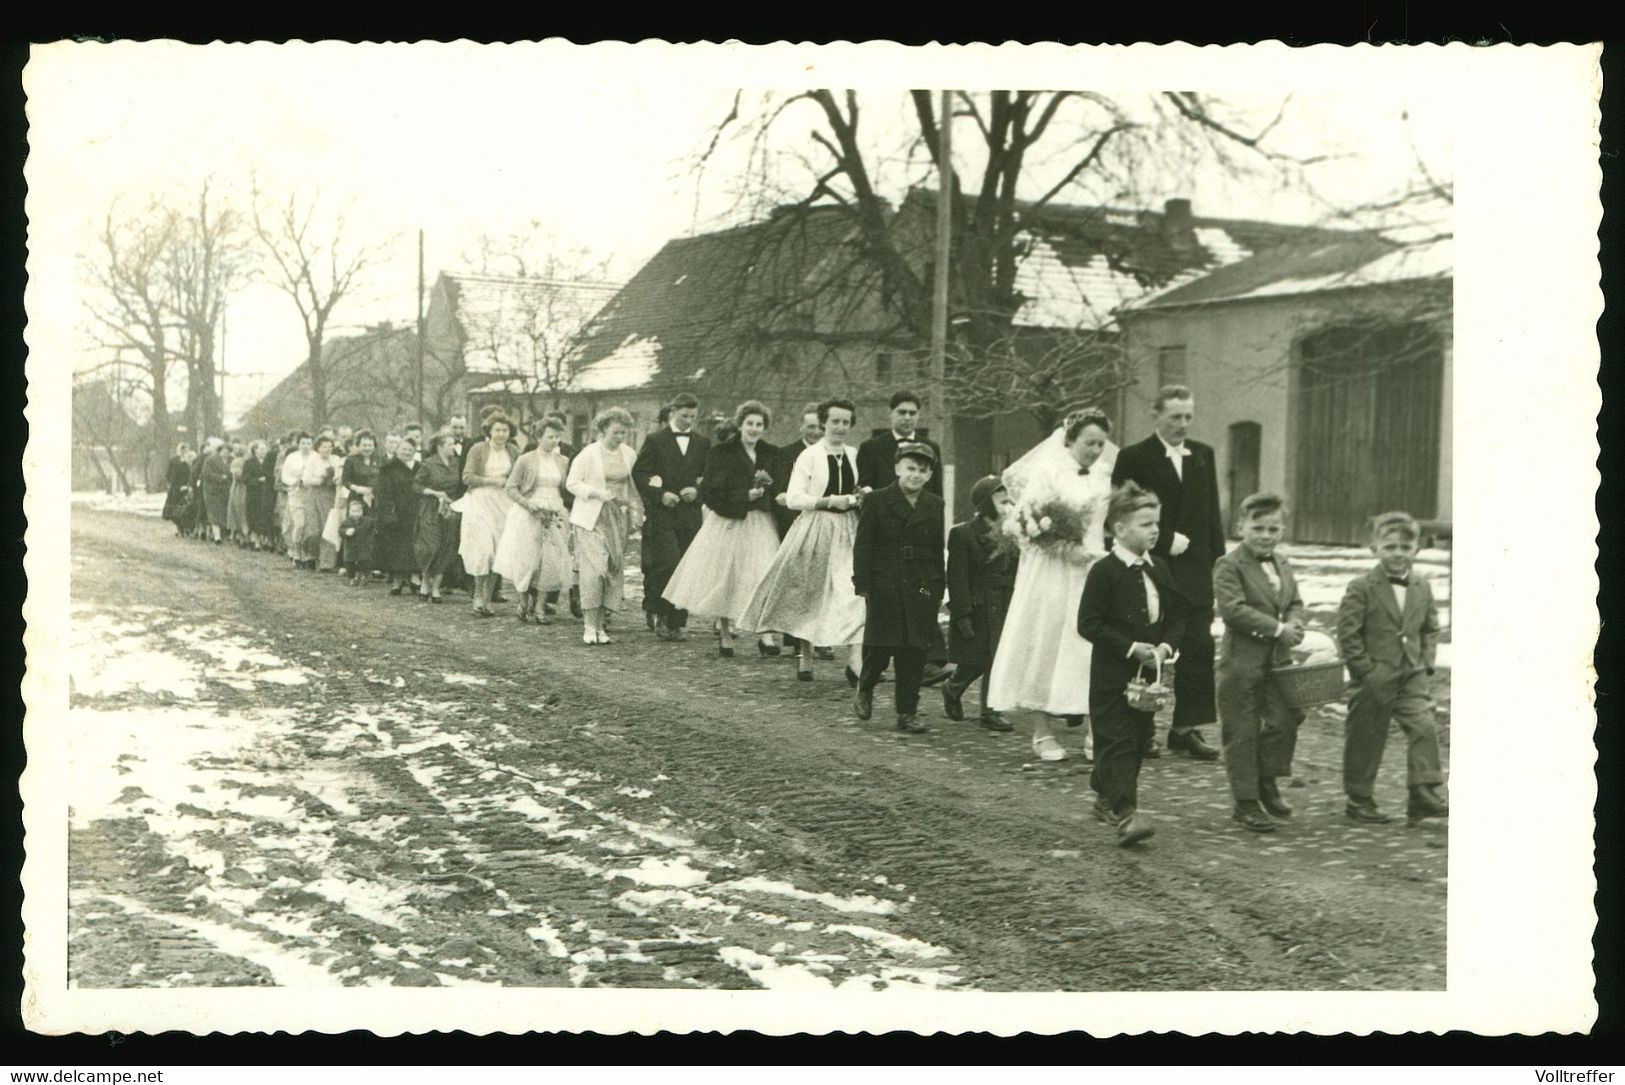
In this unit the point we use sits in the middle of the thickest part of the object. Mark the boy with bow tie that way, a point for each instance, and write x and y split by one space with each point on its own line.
1388 632
1133 615
1257 597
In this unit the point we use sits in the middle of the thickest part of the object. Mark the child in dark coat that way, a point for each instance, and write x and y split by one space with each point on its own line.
981 575
1132 615
897 569
356 540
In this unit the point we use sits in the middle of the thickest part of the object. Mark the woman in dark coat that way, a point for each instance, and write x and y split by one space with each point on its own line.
261 495
395 514
438 483
197 516
179 478
216 481
981 575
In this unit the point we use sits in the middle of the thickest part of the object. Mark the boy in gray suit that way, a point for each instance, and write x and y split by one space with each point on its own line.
1388 632
1257 597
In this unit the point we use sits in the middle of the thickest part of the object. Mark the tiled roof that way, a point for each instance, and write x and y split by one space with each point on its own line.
702 295
1354 260
498 314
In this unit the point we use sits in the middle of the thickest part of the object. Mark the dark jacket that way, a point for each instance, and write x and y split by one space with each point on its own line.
730 475
359 471
179 478
1378 642
356 542
1190 506
662 458
981 576
395 511
897 566
1112 616
877 462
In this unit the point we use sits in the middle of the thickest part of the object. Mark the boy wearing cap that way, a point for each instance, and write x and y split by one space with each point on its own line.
981 576
897 568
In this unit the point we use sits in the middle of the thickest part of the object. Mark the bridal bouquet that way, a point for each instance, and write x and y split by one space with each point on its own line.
1045 519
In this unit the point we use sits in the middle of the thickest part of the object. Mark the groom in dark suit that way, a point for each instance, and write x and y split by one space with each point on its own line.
1191 538
667 474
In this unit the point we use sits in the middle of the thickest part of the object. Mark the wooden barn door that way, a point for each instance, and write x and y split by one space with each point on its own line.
1246 439
1369 403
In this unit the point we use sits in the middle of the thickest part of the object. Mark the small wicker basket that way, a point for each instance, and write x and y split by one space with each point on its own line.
1150 696
1305 685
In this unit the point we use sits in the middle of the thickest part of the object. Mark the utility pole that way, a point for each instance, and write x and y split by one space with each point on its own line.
419 382
939 304
222 368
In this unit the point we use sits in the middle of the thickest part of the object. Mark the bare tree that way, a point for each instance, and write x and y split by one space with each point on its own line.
317 267
1034 147
207 260
128 310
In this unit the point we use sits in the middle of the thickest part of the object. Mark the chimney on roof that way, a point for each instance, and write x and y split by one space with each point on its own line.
1178 224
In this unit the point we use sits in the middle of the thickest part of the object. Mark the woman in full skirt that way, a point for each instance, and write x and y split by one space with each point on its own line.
606 511
807 591
1042 664
534 551
737 538
485 507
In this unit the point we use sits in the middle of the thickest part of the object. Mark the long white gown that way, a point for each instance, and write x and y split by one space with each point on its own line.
1042 664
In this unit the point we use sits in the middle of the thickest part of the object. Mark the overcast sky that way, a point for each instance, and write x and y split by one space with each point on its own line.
597 146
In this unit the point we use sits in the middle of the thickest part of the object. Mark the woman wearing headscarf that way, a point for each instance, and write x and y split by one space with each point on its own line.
606 511
178 497
438 484
485 507
737 538
261 495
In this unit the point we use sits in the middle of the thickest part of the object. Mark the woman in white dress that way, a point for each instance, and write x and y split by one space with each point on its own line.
807 591
485 507
607 510
534 551
737 538
1042 664
318 490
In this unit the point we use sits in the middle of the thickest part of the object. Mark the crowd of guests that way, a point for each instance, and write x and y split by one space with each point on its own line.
1081 576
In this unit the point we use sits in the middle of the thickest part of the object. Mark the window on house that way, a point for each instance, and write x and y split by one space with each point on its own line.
1171 366
883 367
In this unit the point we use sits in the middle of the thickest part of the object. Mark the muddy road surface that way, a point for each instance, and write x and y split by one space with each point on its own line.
280 779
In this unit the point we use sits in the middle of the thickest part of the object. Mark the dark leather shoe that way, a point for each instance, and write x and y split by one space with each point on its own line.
911 725
1365 810
1250 816
952 705
863 703
1103 813
824 653
1269 797
1133 829
1151 752
1426 803
935 675
992 721
1192 745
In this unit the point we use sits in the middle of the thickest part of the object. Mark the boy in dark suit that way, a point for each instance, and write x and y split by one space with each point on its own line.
1183 475
1388 632
981 576
1133 616
897 569
1263 616
667 474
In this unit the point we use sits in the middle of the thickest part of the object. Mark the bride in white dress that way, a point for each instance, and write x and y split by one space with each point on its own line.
1042 664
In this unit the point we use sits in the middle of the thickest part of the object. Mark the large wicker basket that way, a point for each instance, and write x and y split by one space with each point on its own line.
1305 685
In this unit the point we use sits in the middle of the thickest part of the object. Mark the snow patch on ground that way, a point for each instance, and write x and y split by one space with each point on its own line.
860 902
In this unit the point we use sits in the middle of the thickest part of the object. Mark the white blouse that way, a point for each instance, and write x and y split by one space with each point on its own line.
810 476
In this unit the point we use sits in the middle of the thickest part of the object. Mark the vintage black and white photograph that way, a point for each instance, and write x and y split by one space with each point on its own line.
531 519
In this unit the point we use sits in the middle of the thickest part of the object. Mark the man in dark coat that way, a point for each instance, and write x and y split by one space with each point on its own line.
876 457
897 569
1191 538
667 474
981 577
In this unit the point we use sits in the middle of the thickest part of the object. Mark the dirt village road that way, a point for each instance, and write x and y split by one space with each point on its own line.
280 779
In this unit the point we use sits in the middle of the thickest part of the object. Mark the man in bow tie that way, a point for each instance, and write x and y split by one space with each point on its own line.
1191 538
667 474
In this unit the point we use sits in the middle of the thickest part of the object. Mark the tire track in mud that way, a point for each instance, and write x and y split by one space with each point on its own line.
1004 870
